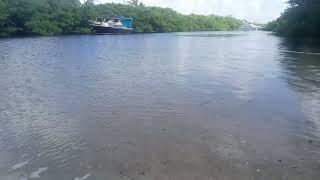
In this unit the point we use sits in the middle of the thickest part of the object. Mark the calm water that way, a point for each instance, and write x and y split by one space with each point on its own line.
209 106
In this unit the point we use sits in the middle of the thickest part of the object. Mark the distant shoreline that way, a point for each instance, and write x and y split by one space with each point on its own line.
72 18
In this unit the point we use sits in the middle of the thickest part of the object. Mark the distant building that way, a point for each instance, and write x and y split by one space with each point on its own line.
247 26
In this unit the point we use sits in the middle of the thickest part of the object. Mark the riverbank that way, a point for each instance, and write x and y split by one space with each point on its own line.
301 19
25 17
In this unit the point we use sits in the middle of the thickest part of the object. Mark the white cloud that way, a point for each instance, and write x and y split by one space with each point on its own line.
252 10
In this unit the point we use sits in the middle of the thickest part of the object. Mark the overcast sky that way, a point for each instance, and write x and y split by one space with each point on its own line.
260 11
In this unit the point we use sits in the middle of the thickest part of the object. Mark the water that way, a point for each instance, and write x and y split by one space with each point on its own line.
211 105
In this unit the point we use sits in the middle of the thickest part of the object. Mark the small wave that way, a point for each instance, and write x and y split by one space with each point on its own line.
83 178
19 165
208 35
37 173
301 52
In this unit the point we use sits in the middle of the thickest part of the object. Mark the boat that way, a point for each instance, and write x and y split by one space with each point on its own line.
115 25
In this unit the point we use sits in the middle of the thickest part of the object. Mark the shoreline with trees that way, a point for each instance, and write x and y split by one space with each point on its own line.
58 17
300 19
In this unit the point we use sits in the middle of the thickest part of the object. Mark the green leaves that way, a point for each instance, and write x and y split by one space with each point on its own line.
43 26
301 19
51 17
155 19
6 26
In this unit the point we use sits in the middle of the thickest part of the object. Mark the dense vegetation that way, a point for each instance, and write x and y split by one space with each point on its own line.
301 19
50 17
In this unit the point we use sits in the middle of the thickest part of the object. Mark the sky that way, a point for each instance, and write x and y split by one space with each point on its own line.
258 11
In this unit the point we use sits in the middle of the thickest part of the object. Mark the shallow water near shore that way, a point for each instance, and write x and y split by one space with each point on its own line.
202 105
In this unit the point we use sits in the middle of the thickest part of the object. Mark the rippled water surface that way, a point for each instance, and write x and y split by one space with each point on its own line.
220 105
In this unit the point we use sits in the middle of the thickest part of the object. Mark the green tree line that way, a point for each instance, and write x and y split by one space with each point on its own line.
300 19
52 17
